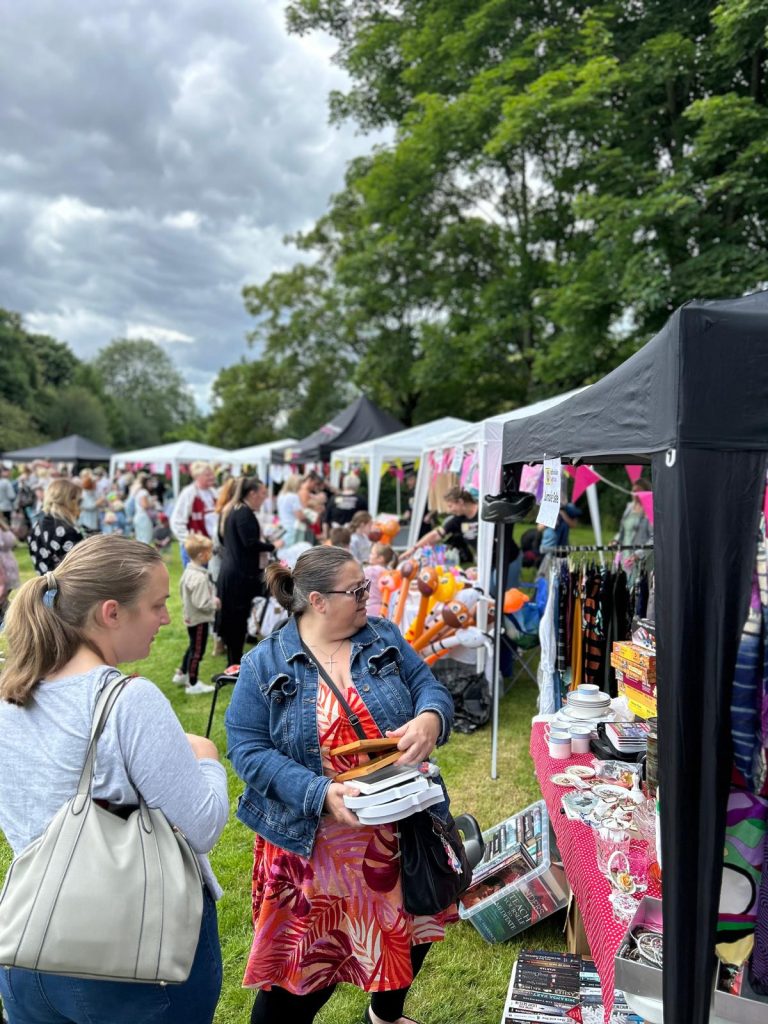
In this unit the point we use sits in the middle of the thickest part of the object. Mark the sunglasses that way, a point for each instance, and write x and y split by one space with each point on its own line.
359 593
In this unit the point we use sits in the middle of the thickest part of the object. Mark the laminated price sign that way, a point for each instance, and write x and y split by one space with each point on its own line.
549 509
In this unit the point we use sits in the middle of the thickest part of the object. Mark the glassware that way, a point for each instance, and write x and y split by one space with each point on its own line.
607 842
628 870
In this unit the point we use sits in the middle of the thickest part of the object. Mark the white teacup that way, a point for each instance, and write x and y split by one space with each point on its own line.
580 738
588 689
559 743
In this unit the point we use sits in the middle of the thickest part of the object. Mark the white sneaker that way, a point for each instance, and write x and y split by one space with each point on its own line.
199 688
182 678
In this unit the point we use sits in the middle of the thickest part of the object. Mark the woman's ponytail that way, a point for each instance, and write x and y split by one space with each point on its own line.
280 583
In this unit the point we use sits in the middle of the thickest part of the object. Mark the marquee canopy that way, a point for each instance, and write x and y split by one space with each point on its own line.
403 444
692 402
175 455
362 420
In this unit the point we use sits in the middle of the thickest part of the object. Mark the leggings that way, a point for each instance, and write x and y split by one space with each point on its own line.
198 639
278 1005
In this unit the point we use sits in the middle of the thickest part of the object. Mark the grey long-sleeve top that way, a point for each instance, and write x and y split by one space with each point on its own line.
143 746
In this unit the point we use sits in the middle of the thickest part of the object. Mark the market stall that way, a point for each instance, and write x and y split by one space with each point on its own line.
360 421
405 445
474 453
173 455
260 456
692 404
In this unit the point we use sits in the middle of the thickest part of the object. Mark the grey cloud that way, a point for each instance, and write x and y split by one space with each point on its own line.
152 157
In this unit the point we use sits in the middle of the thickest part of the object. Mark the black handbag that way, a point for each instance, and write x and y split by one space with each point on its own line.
434 869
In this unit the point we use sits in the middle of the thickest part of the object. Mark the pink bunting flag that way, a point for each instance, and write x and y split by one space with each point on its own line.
646 500
583 477
447 460
634 472
466 468
531 478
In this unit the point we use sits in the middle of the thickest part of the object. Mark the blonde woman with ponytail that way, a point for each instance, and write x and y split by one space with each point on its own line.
56 532
67 631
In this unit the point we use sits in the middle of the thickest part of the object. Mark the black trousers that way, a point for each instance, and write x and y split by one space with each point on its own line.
198 639
279 1006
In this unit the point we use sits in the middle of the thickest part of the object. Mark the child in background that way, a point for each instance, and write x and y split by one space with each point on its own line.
199 603
382 558
339 537
360 545
161 535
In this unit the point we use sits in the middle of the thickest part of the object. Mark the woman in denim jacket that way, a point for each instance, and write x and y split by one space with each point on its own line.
327 898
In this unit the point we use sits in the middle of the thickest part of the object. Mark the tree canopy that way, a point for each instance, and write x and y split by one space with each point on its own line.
559 178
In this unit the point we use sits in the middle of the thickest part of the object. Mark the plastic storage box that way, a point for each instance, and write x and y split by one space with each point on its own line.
523 885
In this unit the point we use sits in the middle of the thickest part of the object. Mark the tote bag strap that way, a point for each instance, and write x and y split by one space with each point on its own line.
101 712
354 721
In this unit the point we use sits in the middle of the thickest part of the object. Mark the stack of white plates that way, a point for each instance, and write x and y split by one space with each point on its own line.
587 705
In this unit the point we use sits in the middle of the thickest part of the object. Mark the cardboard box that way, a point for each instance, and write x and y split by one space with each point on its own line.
747 1008
530 895
636 654
575 937
637 978
633 670
640 703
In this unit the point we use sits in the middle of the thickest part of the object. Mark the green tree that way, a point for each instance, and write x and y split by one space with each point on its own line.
75 410
150 395
17 428
560 177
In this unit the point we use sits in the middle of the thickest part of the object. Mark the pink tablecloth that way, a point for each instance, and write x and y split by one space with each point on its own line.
577 847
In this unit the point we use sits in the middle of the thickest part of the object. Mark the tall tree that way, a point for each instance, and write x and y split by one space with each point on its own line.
560 177
150 394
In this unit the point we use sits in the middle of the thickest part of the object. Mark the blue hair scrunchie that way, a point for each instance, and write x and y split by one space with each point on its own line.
50 595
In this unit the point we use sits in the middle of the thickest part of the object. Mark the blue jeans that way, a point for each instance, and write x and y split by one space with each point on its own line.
32 997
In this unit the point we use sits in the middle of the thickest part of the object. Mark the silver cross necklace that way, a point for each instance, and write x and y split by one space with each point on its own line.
330 660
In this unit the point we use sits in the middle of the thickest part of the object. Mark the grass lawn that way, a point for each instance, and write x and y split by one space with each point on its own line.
465 979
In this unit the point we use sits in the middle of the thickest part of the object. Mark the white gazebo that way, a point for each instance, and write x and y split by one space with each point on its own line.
259 455
176 454
483 441
403 444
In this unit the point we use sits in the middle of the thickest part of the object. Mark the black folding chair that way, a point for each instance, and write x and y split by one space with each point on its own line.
227 678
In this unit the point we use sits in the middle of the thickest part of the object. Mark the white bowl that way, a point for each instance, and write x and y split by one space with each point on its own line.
588 688
587 698
585 714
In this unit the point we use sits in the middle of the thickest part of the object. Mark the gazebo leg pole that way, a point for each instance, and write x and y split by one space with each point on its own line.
498 626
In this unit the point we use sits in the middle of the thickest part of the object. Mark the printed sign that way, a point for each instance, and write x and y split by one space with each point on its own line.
549 509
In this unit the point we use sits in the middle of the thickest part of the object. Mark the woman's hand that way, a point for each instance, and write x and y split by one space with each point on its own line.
418 737
335 807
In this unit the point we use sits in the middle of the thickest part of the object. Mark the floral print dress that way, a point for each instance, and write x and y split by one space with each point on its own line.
338 915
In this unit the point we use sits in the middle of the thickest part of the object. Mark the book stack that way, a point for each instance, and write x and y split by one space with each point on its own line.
628 737
557 988
550 988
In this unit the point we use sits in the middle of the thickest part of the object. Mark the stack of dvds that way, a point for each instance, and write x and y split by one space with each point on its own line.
557 988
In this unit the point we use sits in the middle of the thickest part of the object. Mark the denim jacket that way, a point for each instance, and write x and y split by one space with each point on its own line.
272 734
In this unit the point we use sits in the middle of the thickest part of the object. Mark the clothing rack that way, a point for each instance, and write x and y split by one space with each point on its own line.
567 549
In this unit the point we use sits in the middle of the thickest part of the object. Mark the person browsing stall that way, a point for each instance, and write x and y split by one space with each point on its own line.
459 530
282 723
66 632
243 559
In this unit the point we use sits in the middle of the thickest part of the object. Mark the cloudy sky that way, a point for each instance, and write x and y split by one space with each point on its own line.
152 157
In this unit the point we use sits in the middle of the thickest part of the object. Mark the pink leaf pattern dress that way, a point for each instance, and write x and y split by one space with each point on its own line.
338 915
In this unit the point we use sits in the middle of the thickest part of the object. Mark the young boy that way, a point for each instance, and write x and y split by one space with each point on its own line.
199 602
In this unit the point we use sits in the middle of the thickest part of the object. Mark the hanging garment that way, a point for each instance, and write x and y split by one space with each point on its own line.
594 649
577 646
562 618
743 861
548 658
